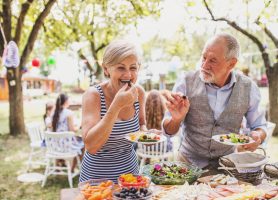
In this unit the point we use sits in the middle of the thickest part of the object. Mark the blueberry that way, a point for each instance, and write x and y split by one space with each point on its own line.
122 195
145 191
133 190
124 190
117 194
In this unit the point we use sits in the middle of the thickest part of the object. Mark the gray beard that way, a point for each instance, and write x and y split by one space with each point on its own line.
205 80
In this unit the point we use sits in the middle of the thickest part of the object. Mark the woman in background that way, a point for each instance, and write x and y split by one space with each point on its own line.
155 109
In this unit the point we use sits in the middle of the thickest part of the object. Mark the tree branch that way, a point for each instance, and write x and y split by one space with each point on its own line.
259 16
252 37
101 47
7 19
272 37
268 33
138 9
24 9
82 56
34 33
52 34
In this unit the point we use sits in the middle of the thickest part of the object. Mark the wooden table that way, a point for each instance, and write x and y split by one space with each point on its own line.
75 106
70 194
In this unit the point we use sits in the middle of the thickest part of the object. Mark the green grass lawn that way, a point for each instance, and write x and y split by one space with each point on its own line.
14 154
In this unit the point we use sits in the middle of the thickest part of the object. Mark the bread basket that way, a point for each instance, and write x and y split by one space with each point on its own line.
245 166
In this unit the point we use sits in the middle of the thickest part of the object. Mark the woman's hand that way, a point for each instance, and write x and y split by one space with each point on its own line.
126 96
177 105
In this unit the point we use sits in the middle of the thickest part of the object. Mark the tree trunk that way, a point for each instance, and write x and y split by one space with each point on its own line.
98 72
16 118
273 96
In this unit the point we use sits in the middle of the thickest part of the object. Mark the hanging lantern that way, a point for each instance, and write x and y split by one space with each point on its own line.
10 55
36 62
51 61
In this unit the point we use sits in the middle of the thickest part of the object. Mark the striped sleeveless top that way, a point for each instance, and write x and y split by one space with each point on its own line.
117 156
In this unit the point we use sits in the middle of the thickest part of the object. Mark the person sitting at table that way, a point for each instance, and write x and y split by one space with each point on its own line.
217 99
63 120
47 117
155 109
110 111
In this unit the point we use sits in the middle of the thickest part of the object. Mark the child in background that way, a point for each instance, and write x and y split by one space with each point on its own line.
155 108
47 117
63 120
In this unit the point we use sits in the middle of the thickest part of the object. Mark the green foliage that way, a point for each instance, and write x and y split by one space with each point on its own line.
187 47
93 22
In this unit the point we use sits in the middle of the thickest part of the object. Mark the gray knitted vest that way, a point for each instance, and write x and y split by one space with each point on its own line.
200 122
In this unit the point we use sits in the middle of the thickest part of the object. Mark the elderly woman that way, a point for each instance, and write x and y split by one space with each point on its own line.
111 110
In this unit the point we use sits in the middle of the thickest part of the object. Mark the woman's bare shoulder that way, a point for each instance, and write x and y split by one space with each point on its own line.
140 90
91 94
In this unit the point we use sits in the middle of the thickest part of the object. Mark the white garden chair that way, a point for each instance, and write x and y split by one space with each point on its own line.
59 145
156 150
36 135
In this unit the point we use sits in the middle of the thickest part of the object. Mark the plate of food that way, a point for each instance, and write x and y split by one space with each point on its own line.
233 139
145 137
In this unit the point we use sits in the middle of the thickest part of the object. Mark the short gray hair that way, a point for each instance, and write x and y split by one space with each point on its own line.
117 51
232 45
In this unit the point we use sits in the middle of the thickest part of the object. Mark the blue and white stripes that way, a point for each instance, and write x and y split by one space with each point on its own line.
117 156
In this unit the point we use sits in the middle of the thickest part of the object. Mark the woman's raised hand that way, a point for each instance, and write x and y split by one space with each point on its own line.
126 96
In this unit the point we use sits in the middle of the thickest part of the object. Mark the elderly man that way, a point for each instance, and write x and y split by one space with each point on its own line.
217 100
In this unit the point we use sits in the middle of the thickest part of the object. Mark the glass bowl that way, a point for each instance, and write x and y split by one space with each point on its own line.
104 188
93 182
135 181
172 173
132 193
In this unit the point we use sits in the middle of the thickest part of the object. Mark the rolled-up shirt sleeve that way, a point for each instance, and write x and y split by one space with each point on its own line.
255 116
180 87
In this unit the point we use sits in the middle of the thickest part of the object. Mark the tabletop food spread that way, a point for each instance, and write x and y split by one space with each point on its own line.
162 181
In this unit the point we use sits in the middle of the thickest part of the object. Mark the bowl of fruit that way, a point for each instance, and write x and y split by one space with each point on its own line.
132 193
172 173
96 189
134 181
